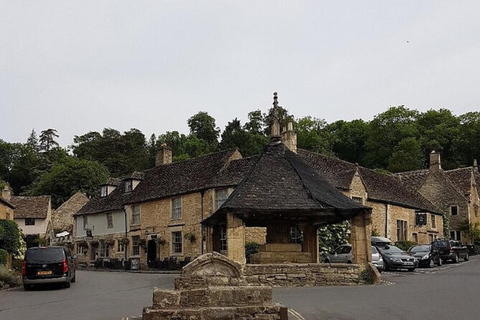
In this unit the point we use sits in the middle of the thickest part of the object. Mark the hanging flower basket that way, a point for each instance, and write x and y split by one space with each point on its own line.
161 241
142 242
110 242
124 241
82 243
190 237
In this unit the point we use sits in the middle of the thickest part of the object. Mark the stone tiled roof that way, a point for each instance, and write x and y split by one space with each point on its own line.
280 182
31 207
113 202
113 182
136 175
380 187
461 178
188 176
413 179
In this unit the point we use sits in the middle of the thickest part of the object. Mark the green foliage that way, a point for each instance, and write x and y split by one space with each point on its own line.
332 236
406 156
234 136
312 136
8 278
250 248
364 277
471 231
405 245
9 236
3 257
67 177
202 126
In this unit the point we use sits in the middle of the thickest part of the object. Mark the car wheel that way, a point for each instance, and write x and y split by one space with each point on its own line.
431 263
456 259
27 287
466 257
67 284
74 277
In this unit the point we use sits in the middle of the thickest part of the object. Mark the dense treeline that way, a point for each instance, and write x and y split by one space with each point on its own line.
397 140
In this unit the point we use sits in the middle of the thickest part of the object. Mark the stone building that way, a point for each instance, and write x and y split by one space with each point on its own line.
396 209
34 215
455 192
6 207
62 217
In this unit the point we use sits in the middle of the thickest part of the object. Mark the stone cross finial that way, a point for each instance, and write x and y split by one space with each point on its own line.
275 125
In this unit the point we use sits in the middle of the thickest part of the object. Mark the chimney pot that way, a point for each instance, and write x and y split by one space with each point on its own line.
164 155
435 163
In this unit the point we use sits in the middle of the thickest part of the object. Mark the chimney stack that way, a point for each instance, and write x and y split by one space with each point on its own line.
435 164
164 155
289 137
6 193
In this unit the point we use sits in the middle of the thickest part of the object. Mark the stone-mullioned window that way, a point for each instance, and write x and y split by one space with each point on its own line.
136 215
221 195
177 242
177 208
401 230
136 245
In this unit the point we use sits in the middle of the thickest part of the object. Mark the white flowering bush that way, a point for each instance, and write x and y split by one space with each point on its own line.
332 236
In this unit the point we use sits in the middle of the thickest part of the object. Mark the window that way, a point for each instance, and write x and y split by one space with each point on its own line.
136 215
415 237
109 220
177 242
430 238
29 221
454 210
81 249
455 235
401 230
136 245
358 199
176 208
432 218
103 191
120 246
103 249
85 222
220 196
128 186
223 240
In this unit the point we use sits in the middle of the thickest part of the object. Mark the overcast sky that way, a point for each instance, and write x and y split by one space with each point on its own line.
80 66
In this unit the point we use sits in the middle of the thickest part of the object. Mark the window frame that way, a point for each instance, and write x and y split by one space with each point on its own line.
103 250
109 220
103 191
31 221
176 208
135 245
120 246
452 210
402 229
136 212
223 240
85 222
219 201
128 186
433 223
177 242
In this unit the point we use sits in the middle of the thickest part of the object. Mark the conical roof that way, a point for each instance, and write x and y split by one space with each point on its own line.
281 185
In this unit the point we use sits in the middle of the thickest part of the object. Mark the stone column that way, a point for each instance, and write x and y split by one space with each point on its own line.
361 226
208 231
310 242
235 238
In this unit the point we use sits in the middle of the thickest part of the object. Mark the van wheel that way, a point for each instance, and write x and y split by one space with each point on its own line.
440 262
431 263
73 279
466 257
456 259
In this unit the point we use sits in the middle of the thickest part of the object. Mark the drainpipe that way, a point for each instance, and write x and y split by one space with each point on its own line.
126 237
202 232
386 220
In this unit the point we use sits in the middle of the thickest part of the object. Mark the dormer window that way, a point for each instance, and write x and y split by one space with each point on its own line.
128 186
103 191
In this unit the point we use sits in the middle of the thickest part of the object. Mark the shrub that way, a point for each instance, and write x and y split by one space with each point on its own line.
364 277
3 257
405 245
8 277
250 248
9 235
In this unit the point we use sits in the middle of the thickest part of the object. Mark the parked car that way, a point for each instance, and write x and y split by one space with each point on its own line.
343 254
451 250
396 258
48 265
380 241
426 254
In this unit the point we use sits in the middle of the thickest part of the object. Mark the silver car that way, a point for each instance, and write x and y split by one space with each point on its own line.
343 254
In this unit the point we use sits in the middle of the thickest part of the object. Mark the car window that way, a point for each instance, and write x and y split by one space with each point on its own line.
390 250
420 249
374 250
441 243
346 249
44 254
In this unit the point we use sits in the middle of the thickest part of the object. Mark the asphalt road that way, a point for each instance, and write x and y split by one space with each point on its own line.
448 292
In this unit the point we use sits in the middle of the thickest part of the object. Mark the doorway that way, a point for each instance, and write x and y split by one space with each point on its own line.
152 254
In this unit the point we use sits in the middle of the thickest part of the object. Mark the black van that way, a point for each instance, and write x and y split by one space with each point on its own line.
48 265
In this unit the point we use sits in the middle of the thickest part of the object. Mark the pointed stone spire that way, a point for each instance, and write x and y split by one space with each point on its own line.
275 129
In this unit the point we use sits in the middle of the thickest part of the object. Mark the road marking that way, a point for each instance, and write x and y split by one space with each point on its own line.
295 314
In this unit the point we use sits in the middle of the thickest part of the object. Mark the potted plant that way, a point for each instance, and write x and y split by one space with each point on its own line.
161 241
124 241
189 236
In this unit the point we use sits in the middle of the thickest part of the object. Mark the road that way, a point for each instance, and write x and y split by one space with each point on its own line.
447 292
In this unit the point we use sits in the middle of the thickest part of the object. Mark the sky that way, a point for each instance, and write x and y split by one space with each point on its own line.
81 66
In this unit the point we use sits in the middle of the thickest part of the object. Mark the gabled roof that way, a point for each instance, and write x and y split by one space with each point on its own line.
462 178
31 207
72 204
113 202
380 187
280 183
190 175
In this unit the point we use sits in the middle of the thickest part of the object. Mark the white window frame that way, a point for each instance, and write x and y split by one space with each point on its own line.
402 229
177 242
103 191
177 208
109 220
103 251
221 195
128 186
136 214
135 245
120 246
432 221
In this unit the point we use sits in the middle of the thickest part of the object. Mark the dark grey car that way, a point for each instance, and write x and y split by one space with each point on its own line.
44 265
396 258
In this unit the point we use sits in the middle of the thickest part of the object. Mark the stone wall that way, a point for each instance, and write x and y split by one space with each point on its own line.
62 218
256 234
300 275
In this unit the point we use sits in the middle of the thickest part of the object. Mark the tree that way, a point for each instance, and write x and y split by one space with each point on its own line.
9 236
202 126
406 156
235 136
283 118
348 139
67 177
470 137
312 136
256 123
47 139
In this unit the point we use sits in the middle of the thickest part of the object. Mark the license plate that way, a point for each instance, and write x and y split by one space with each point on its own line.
44 273
408 263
